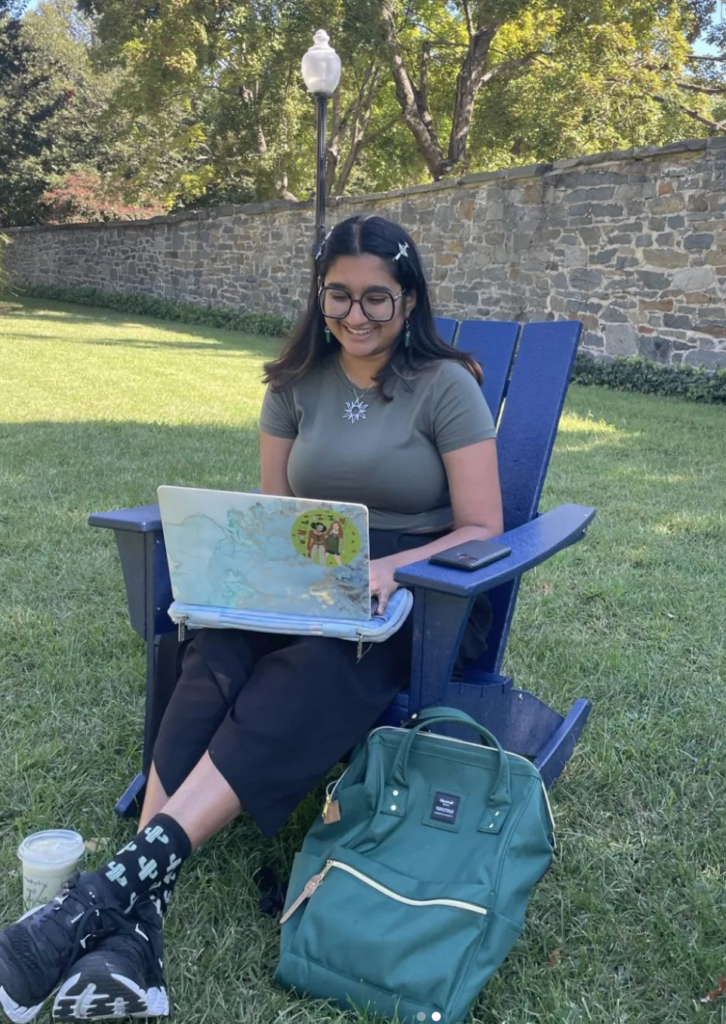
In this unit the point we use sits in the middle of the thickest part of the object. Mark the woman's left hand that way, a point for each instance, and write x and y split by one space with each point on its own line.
382 582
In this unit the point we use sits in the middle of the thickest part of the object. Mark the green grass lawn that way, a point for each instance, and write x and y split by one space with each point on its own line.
630 924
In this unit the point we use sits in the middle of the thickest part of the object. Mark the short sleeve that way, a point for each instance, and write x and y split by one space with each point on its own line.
460 413
277 416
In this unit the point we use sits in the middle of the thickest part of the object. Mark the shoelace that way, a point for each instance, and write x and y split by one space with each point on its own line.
88 922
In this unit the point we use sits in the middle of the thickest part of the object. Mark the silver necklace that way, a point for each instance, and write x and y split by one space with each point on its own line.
357 409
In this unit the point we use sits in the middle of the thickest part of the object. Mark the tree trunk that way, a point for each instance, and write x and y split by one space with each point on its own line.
467 85
412 102
358 128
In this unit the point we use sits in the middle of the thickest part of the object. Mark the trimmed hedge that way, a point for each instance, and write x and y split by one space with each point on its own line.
164 309
695 384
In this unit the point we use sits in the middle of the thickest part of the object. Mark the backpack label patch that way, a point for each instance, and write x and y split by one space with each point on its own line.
446 807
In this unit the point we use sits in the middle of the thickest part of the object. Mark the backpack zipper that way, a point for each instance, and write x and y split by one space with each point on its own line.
315 882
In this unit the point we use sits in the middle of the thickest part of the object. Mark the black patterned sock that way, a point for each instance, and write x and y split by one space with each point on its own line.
149 863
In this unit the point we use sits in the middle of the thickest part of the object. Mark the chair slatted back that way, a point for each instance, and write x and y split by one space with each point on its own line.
492 344
535 395
446 328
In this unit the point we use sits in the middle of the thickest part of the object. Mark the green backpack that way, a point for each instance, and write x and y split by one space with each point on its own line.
411 890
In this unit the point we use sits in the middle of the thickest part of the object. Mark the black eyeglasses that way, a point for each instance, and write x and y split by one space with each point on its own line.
335 303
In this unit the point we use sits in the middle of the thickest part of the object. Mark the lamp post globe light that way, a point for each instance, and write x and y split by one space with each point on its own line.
321 73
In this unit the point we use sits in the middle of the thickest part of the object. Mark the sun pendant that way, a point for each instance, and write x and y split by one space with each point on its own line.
355 410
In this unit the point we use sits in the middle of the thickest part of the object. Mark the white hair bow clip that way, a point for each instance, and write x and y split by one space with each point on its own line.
319 253
402 251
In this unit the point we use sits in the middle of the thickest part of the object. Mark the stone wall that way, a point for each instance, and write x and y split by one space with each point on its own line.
633 243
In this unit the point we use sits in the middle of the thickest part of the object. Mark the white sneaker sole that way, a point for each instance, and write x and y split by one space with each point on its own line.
16 1013
112 998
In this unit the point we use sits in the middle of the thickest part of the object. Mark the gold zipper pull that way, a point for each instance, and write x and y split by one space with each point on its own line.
326 805
331 814
309 888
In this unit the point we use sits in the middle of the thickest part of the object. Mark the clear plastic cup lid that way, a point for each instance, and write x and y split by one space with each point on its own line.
54 846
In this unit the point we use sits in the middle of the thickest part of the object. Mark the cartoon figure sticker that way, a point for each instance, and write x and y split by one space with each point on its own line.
326 537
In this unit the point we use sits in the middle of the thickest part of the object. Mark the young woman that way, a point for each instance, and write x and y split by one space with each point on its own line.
257 720
333 541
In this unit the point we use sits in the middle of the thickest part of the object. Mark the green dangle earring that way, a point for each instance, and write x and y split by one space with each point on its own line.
327 335
407 335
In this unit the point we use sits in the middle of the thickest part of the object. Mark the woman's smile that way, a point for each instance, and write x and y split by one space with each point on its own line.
359 332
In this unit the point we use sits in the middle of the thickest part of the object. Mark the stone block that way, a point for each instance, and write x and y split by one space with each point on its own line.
669 258
621 339
693 279
579 195
603 256
655 347
668 204
713 330
678 320
715 360
585 279
698 241
656 282
465 297
663 305
698 202
590 235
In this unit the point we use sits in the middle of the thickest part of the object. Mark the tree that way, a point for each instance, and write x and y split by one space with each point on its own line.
82 197
630 50
212 107
28 103
50 101
247 125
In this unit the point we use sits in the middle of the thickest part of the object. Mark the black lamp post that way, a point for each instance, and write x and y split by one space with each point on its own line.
321 72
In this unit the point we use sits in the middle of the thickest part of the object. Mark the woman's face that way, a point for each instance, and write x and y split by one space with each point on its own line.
359 336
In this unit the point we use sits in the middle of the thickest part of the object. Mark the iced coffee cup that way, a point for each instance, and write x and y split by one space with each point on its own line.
49 859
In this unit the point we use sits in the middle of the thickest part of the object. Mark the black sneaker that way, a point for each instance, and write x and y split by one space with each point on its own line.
123 976
37 950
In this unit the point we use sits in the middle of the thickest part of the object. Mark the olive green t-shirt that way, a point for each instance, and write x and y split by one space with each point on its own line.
386 455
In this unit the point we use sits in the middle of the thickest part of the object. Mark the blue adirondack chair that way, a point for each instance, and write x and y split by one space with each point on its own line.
526 375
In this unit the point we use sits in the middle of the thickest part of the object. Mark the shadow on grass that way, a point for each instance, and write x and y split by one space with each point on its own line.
264 346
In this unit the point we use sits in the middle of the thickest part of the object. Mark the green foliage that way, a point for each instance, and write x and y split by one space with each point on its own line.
201 104
214 98
50 100
166 309
5 286
695 384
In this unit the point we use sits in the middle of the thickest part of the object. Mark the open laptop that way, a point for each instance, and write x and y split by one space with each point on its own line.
261 553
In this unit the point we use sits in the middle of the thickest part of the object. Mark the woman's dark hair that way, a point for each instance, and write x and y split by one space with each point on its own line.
307 346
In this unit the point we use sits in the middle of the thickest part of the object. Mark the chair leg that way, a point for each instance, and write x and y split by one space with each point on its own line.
129 805
555 754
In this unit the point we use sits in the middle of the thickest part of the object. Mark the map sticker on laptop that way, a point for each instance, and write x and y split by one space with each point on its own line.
256 552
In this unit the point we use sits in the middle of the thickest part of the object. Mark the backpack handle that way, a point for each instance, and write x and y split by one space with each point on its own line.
500 796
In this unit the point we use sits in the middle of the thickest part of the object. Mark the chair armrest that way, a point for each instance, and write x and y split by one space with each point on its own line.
140 543
531 544
144 519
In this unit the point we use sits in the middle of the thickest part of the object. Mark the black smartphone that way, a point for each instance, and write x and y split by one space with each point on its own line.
472 555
